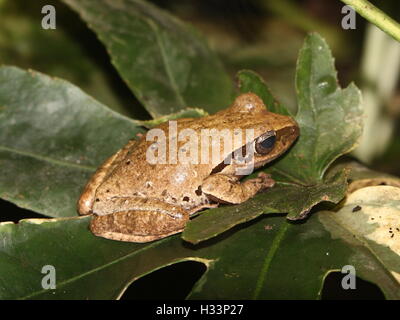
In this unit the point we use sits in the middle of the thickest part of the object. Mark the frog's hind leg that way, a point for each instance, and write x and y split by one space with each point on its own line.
86 199
228 189
137 226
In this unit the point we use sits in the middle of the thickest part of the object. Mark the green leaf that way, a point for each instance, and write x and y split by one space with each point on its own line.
164 61
22 43
52 138
330 118
268 259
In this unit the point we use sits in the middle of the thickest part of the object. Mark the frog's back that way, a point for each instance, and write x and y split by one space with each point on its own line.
170 181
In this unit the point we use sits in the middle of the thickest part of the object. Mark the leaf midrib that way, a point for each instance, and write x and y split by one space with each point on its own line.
57 162
168 70
268 259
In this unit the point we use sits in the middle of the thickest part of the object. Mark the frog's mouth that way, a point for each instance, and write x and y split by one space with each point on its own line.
250 154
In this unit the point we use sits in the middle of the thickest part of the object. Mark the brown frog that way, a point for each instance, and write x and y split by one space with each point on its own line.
134 199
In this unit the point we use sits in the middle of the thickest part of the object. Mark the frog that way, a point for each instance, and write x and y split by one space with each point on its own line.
136 200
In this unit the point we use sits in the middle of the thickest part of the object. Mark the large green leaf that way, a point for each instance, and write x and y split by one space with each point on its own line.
330 118
268 259
22 43
164 61
52 138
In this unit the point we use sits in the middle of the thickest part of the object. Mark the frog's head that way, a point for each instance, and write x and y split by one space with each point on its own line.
273 133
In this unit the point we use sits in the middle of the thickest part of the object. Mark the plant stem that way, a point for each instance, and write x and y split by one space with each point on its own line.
376 16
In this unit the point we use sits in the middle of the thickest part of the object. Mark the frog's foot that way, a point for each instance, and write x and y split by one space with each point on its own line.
137 226
266 179
227 189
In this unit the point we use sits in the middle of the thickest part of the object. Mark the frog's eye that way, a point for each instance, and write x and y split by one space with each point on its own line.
266 142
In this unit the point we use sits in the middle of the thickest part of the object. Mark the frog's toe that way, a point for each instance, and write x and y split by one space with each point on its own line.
264 180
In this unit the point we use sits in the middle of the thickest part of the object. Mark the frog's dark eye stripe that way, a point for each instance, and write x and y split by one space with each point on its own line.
266 142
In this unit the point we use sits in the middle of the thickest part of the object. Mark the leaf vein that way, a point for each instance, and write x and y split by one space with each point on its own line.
268 259
57 162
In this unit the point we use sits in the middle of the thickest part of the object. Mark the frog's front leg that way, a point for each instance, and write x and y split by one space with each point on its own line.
228 189
139 220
